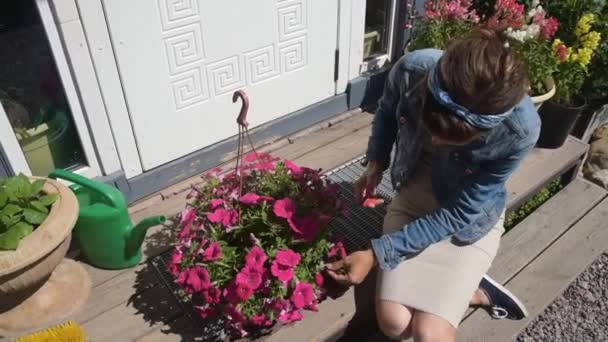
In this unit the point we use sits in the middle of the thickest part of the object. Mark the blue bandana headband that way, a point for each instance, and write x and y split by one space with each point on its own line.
480 121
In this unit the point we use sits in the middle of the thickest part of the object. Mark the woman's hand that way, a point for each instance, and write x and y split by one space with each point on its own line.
366 185
353 269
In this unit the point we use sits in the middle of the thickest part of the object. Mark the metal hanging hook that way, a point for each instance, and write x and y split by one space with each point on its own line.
242 118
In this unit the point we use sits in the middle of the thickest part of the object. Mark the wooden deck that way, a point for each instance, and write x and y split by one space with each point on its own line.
130 305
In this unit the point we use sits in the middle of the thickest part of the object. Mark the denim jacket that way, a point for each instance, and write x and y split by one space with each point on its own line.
468 181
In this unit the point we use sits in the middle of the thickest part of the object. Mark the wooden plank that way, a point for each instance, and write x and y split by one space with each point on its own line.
181 329
539 230
539 167
547 277
129 320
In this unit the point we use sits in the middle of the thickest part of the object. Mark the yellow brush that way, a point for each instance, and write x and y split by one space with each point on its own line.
64 332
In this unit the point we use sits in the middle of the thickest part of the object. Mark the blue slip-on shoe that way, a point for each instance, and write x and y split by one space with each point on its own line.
503 304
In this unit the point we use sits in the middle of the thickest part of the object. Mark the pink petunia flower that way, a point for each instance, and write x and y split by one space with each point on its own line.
337 250
302 295
212 295
283 273
260 321
206 311
290 317
291 166
304 227
227 218
250 276
287 257
284 208
319 279
194 279
243 292
213 252
215 203
187 216
230 294
250 198
256 257
176 259
233 314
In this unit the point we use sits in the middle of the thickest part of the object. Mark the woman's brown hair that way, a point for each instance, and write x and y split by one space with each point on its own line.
480 73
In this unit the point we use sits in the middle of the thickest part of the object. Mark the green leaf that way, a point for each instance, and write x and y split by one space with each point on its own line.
39 206
10 239
33 216
10 210
36 187
48 199
9 221
3 198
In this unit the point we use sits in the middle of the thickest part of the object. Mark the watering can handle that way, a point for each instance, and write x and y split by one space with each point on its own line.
87 183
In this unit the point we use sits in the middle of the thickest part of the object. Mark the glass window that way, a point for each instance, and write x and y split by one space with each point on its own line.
31 91
377 24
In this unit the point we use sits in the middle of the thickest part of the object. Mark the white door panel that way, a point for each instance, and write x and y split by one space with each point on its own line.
180 61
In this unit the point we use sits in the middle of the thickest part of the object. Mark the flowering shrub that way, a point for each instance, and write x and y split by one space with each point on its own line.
444 21
573 60
252 244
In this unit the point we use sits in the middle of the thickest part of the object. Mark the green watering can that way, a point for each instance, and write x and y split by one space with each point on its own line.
104 230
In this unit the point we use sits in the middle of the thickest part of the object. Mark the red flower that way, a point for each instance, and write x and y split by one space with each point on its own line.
250 276
212 295
195 279
256 257
319 279
287 257
561 52
302 295
549 28
213 252
284 208
290 317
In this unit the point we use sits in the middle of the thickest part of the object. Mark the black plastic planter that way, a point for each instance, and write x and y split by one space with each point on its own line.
557 121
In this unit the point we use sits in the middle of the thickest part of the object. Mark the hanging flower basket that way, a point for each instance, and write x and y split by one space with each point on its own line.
252 243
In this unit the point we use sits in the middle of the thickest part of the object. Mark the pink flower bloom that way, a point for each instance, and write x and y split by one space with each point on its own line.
227 218
176 259
260 321
302 295
291 166
243 292
287 257
508 13
312 306
194 279
283 273
251 157
187 216
305 227
284 208
233 314
206 311
337 250
185 232
256 257
230 294
213 252
250 277
549 28
319 279
290 317
250 198
279 305
561 52
212 295
216 203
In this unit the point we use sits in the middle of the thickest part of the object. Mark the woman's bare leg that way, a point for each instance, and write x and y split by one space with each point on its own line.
394 319
427 327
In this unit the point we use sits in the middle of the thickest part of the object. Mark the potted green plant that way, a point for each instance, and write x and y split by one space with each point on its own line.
561 113
36 219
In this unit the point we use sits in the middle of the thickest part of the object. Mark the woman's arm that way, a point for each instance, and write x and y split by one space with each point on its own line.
384 128
465 210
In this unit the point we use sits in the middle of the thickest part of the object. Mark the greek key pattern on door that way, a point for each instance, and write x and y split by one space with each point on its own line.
195 80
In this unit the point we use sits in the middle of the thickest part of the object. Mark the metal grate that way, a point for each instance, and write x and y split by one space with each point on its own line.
361 225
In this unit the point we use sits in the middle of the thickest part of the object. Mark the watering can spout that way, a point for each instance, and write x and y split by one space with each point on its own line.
138 233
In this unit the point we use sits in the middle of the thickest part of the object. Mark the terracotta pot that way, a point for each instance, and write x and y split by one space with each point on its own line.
538 100
26 269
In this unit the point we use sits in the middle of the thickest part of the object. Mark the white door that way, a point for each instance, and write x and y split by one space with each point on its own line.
181 60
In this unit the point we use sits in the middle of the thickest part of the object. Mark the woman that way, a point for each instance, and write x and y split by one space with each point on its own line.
461 123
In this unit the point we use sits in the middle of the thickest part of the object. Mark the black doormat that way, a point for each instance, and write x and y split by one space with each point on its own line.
355 229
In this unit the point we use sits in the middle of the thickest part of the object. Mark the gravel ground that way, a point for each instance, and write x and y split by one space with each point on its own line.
580 314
